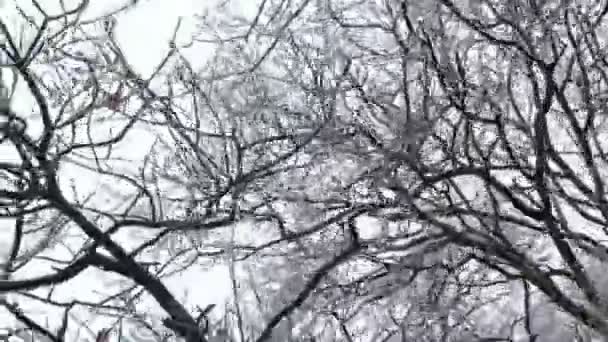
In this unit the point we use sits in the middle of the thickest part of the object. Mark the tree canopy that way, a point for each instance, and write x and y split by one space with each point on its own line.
386 170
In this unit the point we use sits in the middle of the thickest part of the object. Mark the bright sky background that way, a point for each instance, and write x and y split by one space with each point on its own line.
143 33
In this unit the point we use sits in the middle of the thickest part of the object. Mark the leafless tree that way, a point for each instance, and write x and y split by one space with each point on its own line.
388 170
89 106
473 128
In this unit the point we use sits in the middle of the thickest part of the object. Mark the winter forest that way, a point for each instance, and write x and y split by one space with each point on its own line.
306 170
